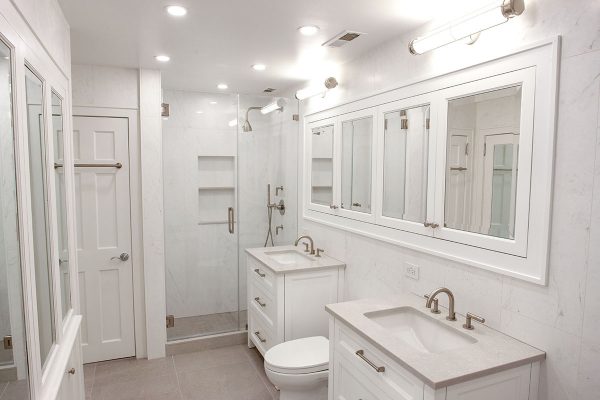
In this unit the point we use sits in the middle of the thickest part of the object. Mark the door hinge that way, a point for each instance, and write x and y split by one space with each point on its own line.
170 321
484 149
385 124
427 123
296 117
165 110
404 123
8 343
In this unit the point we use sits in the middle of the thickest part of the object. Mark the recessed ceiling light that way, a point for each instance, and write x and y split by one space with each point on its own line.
212 102
199 112
222 86
259 67
176 11
308 30
162 58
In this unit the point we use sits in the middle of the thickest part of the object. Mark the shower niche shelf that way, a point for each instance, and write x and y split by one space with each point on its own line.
216 172
216 188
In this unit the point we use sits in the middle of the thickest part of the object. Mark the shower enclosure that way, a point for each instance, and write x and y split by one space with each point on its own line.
215 179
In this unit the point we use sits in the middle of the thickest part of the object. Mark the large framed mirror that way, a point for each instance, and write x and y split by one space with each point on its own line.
13 350
356 170
36 130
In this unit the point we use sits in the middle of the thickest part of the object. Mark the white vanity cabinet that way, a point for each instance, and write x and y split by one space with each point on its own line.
394 348
352 377
287 301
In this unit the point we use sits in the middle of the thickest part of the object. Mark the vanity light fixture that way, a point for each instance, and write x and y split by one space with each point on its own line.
162 58
311 91
468 26
259 67
275 105
308 30
176 11
222 86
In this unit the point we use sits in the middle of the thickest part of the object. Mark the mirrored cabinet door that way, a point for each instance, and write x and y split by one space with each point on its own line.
61 205
322 166
36 126
404 164
356 148
13 353
486 174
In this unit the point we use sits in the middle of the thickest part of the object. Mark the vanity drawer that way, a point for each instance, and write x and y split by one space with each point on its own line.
397 382
262 303
351 383
261 275
260 333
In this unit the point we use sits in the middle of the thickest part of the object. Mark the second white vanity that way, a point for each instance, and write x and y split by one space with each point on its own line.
396 349
287 293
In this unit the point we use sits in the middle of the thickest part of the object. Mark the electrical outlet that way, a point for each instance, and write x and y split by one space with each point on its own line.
412 271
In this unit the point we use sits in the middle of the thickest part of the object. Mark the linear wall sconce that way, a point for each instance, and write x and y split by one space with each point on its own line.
468 26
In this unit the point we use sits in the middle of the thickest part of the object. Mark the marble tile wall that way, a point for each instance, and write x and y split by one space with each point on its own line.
562 318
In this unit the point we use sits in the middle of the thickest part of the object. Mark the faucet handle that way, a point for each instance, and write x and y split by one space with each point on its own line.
306 250
319 251
468 325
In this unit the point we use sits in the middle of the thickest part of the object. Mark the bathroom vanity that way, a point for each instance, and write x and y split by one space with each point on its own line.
395 348
287 293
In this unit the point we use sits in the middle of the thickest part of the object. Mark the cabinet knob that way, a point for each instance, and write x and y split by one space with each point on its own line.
333 207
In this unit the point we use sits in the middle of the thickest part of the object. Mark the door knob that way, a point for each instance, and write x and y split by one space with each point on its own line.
122 257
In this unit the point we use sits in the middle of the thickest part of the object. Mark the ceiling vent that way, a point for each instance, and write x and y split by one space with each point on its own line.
269 90
342 39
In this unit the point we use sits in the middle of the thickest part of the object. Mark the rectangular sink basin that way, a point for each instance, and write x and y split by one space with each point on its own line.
420 331
289 257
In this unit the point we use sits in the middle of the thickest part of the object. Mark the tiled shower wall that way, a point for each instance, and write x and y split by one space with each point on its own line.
562 318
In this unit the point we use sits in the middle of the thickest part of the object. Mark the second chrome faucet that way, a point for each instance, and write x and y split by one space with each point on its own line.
432 299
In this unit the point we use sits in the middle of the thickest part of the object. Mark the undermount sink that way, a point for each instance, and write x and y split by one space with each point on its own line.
420 331
288 257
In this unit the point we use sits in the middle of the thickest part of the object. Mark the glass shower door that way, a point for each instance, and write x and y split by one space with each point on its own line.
200 202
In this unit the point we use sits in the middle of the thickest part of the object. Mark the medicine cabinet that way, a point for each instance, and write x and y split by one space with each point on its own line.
458 166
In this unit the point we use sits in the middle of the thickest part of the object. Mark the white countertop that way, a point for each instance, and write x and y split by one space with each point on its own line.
312 262
493 352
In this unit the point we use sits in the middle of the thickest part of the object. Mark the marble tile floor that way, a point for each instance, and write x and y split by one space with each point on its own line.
227 373
203 325
14 390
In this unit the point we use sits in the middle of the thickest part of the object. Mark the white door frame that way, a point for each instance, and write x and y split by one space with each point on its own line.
135 179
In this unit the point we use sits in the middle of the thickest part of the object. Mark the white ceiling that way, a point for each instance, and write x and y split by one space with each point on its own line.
218 40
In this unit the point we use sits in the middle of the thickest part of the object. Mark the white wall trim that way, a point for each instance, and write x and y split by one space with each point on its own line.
153 210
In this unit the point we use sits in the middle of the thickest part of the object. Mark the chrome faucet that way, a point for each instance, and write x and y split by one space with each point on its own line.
312 244
432 297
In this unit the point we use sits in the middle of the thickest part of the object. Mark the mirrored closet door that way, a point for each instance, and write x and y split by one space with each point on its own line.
13 350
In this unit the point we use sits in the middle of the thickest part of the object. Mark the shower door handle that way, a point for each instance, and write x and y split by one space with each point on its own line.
230 221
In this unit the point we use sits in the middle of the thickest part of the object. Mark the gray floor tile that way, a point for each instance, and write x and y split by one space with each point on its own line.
227 382
210 358
148 388
130 368
16 390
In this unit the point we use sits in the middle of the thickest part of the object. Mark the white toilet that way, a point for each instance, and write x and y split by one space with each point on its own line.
299 368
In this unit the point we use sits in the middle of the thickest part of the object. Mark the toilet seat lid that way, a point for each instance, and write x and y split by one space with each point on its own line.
300 356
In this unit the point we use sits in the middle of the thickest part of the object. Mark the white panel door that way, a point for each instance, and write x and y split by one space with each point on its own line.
104 237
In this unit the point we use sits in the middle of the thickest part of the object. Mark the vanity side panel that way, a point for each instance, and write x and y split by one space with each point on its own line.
306 294
512 384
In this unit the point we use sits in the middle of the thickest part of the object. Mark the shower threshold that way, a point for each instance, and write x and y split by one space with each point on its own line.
207 325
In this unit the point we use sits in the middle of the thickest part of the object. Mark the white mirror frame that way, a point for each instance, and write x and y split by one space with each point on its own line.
532 265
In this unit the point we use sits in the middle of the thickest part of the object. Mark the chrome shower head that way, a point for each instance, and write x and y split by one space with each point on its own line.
246 127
